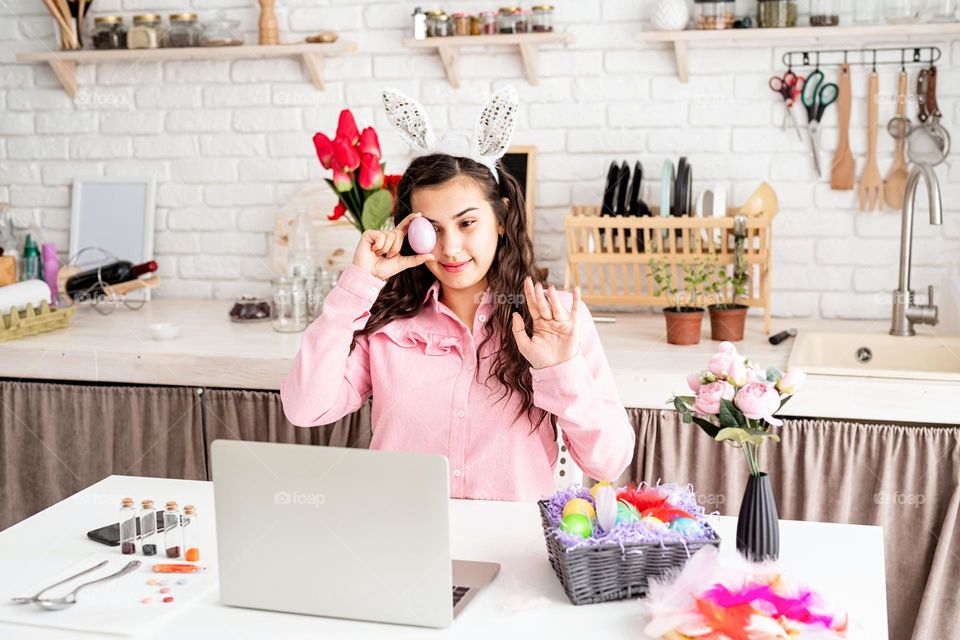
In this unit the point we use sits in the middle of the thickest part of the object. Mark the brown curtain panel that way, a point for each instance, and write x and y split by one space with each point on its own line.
903 478
258 415
56 439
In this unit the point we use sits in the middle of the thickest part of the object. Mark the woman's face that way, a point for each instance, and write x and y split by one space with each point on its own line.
467 231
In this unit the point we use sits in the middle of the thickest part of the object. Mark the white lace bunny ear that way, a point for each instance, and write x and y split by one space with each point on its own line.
495 125
410 119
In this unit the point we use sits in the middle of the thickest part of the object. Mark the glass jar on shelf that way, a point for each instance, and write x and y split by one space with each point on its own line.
288 314
943 11
146 32
461 24
714 14
476 25
902 11
507 20
774 14
109 32
221 32
541 18
488 23
183 32
866 11
521 22
824 13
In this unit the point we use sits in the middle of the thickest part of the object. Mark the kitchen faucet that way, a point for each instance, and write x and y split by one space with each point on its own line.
905 313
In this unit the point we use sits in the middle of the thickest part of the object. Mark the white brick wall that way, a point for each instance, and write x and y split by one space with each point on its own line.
228 141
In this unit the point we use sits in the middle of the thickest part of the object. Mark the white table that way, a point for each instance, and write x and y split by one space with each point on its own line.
844 562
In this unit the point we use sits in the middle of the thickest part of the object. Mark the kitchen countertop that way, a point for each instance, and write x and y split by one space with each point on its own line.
843 562
211 351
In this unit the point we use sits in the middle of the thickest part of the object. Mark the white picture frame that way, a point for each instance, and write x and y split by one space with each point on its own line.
116 215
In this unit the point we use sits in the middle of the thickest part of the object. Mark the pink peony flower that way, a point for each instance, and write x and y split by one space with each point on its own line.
710 395
758 401
737 372
726 347
693 381
720 363
791 382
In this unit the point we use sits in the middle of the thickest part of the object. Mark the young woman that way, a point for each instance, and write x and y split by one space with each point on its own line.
464 352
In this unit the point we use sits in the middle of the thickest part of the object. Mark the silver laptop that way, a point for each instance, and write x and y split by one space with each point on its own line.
345 533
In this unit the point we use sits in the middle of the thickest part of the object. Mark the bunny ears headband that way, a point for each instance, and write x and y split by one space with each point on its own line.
492 136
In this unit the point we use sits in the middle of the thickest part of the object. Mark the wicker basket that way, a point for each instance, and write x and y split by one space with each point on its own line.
602 573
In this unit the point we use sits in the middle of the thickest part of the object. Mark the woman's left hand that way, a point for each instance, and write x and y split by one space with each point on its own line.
556 336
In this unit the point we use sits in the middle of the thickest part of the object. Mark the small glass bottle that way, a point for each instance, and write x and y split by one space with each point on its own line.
191 535
521 22
506 20
128 527
172 532
774 14
419 24
148 528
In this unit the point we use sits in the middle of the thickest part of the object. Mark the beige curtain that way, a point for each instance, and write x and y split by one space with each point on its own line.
258 415
903 478
56 439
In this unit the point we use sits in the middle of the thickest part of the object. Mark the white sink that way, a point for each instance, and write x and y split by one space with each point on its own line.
922 357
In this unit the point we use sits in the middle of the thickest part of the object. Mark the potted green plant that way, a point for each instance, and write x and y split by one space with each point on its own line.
684 313
727 316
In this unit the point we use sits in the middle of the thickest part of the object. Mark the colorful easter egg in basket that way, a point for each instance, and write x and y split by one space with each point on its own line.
686 526
581 506
577 524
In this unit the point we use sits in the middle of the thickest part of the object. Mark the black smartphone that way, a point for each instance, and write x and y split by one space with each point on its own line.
110 534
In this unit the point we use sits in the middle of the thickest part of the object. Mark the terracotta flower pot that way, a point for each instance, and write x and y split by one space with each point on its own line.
683 325
726 322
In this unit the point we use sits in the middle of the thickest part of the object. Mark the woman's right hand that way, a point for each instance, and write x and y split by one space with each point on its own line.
378 252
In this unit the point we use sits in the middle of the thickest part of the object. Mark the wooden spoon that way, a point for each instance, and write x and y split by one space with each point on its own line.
896 184
844 167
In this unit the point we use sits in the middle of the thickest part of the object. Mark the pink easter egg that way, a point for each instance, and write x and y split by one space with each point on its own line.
421 235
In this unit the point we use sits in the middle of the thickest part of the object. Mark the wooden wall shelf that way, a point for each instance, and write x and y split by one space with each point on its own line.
64 63
681 39
528 43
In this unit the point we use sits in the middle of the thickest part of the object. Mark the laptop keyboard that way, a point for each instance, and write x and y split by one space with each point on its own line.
458 593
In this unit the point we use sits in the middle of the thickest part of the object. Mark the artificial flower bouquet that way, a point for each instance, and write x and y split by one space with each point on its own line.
605 543
365 195
736 400
737 600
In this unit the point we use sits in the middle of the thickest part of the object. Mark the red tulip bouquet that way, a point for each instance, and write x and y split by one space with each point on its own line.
365 194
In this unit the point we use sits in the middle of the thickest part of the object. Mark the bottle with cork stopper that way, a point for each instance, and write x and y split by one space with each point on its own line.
191 537
128 527
148 528
172 532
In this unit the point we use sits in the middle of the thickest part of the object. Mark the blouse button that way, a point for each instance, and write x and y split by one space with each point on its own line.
536 378
456 472
460 413
482 318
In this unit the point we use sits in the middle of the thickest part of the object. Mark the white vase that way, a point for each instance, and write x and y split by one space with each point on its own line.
670 15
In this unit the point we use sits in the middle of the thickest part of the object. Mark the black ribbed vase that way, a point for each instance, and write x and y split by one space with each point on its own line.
758 526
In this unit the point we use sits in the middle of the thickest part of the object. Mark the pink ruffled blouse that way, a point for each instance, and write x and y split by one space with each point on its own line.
422 374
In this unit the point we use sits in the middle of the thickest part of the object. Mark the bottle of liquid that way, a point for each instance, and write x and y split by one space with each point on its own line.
191 534
172 531
31 260
148 528
128 527
419 24
87 284
50 269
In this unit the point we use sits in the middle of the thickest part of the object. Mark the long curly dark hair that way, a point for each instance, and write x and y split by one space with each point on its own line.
402 296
